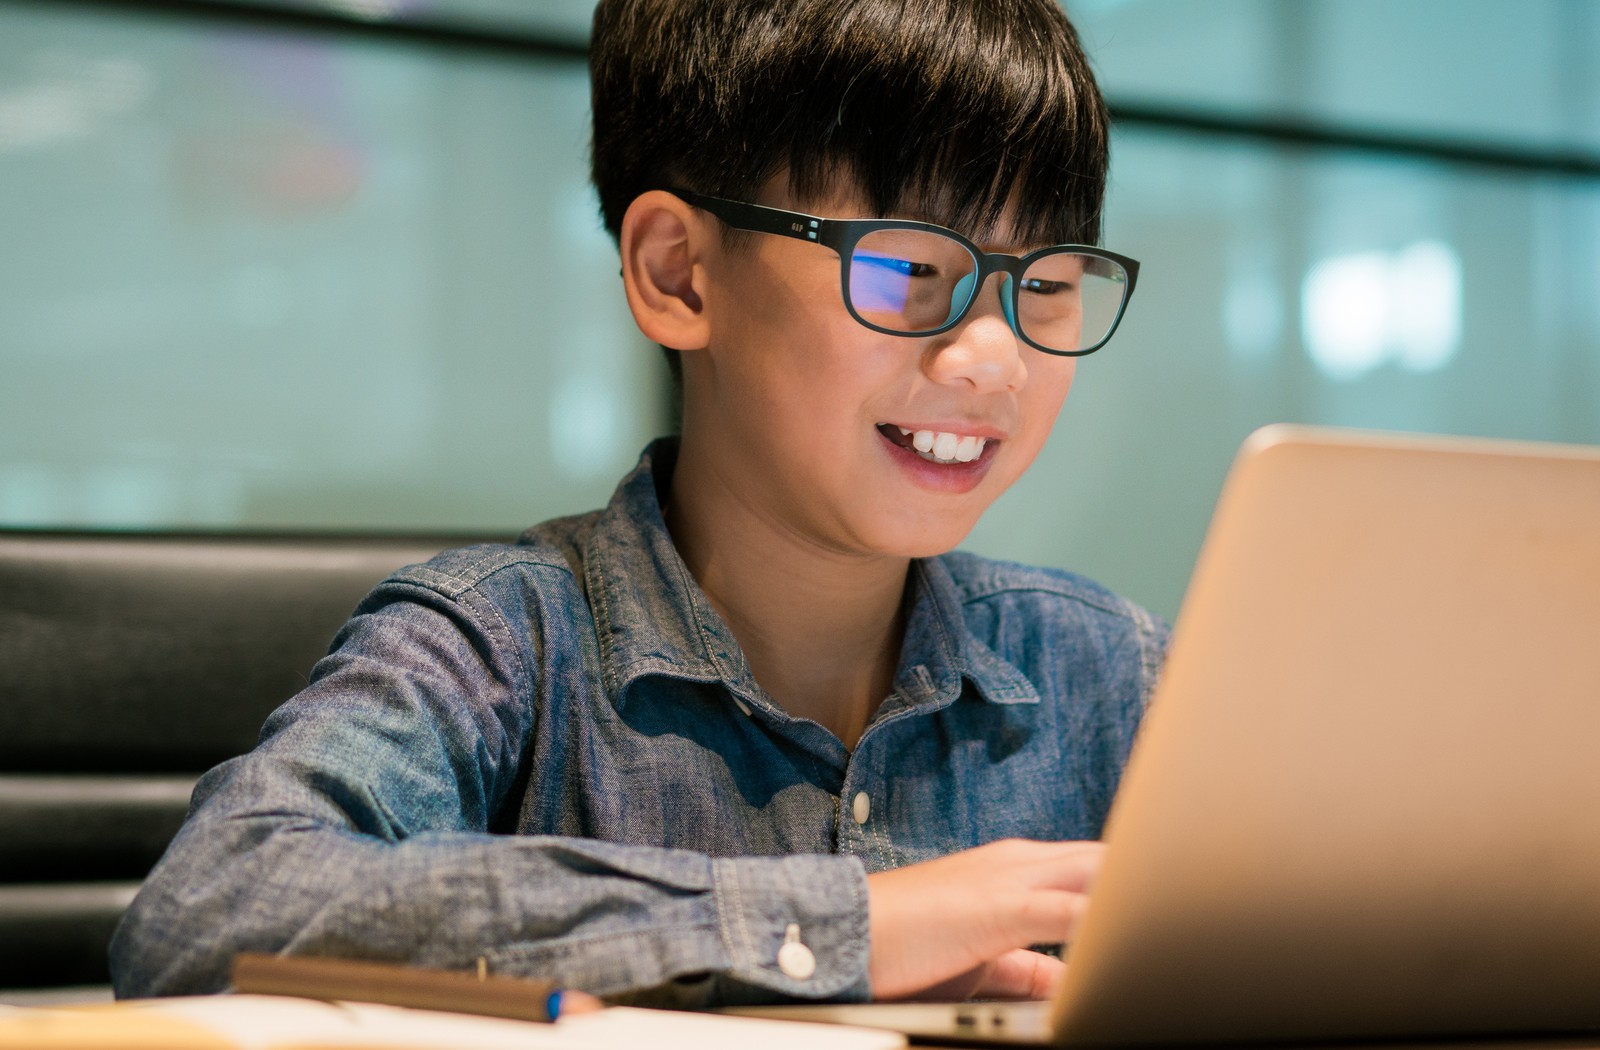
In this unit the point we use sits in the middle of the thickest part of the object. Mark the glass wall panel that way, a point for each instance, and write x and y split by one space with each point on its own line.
257 279
1303 286
1462 69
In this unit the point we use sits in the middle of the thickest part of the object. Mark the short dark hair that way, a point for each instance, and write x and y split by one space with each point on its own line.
949 110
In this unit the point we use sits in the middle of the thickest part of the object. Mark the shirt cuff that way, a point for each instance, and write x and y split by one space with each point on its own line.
793 926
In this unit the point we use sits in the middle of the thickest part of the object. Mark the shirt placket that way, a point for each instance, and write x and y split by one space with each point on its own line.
863 828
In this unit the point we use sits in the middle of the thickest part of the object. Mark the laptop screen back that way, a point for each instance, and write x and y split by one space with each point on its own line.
1366 800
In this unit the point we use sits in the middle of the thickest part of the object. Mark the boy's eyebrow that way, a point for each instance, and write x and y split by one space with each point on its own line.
1011 247
988 245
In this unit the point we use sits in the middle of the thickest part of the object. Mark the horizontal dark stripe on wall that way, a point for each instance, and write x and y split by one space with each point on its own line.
1296 131
434 31
425 31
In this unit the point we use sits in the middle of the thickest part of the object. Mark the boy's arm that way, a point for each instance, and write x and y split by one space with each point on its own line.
359 828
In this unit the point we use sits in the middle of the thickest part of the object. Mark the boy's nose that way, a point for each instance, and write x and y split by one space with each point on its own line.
984 349
963 289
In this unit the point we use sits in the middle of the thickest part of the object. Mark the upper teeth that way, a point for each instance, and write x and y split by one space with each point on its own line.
944 447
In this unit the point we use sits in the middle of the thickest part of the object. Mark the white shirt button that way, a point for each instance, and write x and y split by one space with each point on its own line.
794 958
861 807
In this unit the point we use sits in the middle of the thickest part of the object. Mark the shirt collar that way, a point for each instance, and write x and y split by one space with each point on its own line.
652 618
940 653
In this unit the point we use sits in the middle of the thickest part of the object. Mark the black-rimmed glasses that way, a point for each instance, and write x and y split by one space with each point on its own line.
903 277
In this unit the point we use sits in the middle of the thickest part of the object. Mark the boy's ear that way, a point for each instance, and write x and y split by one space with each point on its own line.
661 243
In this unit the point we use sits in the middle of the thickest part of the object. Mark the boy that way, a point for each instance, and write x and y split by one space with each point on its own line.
750 732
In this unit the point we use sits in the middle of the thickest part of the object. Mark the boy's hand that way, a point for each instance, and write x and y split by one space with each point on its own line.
959 926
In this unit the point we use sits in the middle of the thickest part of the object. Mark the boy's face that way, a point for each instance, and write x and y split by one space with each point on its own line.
811 421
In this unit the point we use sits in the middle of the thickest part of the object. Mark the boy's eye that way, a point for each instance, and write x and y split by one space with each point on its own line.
1042 287
904 267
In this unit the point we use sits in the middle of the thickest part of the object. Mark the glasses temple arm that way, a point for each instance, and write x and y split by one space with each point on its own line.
757 218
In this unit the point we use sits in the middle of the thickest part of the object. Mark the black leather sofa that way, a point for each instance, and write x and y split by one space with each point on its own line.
129 664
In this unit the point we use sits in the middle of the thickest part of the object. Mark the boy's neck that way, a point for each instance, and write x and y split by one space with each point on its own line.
821 630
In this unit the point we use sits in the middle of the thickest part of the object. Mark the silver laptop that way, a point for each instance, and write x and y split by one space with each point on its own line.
1365 803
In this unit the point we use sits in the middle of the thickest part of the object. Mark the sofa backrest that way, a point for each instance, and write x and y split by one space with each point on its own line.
129 664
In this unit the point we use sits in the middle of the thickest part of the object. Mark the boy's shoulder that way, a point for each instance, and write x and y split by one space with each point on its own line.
554 545
1069 636
979 580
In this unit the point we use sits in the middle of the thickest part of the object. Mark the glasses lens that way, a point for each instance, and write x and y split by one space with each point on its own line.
909 281
1067 301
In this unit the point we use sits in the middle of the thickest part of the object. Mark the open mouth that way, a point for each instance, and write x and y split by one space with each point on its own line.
935 446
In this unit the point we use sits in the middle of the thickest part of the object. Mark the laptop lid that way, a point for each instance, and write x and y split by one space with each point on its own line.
1366 799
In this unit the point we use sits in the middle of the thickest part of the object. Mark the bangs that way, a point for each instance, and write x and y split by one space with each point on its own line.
963 112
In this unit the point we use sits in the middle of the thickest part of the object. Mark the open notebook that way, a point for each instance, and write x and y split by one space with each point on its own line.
1365 803
271 1022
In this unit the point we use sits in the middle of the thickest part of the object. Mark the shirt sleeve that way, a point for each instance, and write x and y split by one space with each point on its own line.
361 827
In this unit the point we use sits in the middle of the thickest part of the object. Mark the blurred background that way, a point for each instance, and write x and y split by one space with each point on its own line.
333 264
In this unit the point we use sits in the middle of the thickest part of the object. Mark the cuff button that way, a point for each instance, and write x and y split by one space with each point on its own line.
794 958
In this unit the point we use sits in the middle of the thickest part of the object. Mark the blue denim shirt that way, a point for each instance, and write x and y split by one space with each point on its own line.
553 755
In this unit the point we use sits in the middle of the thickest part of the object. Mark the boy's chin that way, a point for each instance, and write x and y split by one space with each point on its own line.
929 541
